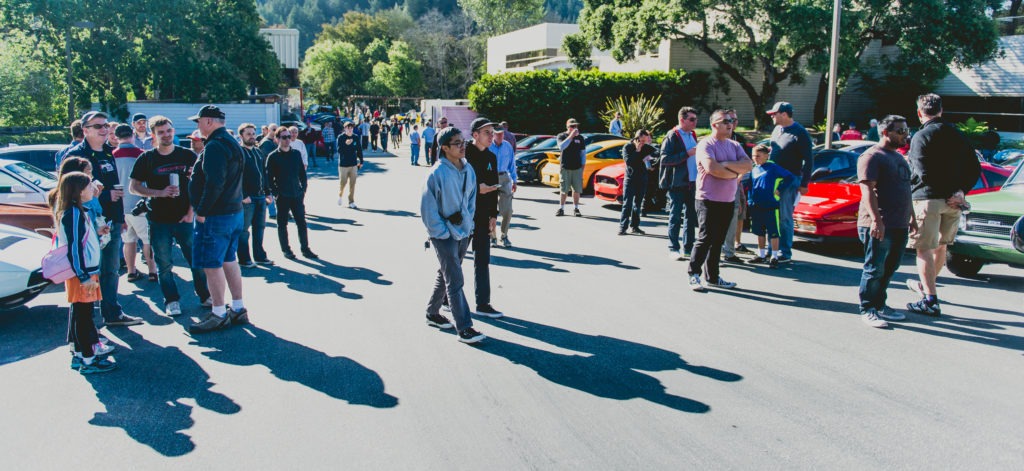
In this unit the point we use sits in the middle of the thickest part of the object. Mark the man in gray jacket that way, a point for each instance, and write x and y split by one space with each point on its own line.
676 174
447 208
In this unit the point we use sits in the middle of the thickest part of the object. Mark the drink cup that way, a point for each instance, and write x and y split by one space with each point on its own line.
173 179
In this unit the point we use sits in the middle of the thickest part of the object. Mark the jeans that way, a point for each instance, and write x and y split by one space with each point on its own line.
714 218
449 281
678 200
163 236
311 151
788 197
384 142
428 149
633 203
414 156
297 208
482 263
729 246
110 274
881 259
254 215
331 148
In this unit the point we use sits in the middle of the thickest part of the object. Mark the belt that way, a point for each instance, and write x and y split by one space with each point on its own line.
502 173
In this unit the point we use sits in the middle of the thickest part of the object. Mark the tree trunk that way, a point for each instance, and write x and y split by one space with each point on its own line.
822 100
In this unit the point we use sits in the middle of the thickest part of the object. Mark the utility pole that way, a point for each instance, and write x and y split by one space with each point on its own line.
833 67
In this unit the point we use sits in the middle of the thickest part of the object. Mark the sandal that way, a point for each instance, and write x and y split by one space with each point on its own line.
134 276
152 277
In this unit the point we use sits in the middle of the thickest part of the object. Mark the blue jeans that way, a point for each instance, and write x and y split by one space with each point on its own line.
254 215
632 203
311 151
414 155
331 148
215 242
787 204
110 274
162 236
449 281
678 200
881 259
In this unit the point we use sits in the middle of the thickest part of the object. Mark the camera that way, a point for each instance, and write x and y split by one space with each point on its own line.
455 218
142 207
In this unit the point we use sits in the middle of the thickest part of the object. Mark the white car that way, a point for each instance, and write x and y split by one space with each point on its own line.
24 183
21 275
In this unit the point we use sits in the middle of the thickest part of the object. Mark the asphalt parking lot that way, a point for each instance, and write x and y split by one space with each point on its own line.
605 360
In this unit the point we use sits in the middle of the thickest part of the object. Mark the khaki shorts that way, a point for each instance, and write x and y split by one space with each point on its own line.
571 180
138 229
936 224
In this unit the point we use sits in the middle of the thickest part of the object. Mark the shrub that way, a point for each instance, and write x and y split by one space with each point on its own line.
637 113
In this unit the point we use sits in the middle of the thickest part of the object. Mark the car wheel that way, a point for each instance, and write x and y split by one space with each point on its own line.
963 266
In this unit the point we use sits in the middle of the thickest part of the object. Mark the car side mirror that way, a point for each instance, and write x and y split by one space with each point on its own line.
820 172
1017 235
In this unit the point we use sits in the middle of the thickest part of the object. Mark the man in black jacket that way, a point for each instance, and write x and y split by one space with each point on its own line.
485 166
943 168
216 191
254 201
676 174
286 179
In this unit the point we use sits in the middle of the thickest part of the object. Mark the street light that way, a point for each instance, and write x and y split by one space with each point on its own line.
833 67
67 59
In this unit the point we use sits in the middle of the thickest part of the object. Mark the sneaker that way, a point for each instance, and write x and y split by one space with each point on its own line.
758 259
133 277
208 302
505 242
211 323
560 212
352 206
289 255
721 284
743 249
487 310
924 307
870 317
916 286
622 232
446 307
439 321
891 314
695 283
674 255
494 243
264 262
341 201
470 335
238 317
98 365
686 255
638 231
173 308
309 254
247 264
125 320
773 262
732 259
783 259
103 349
576 212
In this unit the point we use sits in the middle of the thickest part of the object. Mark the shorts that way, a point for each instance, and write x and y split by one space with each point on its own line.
138 229
764 221
215 242
571 180
936 224
78 295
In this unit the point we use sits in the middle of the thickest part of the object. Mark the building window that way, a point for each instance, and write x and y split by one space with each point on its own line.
523 59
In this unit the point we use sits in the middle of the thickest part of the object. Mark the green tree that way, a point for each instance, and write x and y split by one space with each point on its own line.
30 94
333 70
578 48
501 16
360 29
400 76
785 40
377 51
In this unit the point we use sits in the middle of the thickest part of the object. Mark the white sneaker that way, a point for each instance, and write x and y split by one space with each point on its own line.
870 317
173 308
674 255
891 314
102 349
341 201
695 283
352 206
722 284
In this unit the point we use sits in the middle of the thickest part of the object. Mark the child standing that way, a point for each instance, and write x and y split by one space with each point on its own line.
763 203
76 229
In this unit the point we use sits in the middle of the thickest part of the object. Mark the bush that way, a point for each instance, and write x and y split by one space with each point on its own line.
540 101
637 113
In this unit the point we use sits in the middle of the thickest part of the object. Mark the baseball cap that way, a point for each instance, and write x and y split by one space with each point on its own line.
196 135
781 107
138 116
572 122
123 130
208 111
481 122
93 115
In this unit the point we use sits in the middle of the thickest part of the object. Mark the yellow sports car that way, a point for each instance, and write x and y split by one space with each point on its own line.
599 155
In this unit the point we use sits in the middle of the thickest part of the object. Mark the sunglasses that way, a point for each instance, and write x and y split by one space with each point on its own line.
97 126
900 131
285 136
727 121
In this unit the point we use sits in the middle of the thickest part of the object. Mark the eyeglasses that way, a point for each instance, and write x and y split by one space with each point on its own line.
692 119
97 126
285 136
727 121
457 144
900 131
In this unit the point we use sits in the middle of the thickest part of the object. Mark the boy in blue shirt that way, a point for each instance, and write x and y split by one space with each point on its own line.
763 203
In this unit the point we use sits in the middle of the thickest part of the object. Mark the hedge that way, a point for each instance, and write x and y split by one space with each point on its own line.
539 102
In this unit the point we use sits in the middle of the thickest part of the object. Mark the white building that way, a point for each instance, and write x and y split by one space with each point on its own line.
285 43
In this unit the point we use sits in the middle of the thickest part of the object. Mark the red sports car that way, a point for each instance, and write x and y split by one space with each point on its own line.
829 210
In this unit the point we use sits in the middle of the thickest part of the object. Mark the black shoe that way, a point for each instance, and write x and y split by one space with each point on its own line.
439 321
211 323
289 255
784 259
487 310
773 262
470 335
238 317
638 231
925 307
760 259
264 262
309 254
246 264
125 320
732 259
576 212
133 277
560 212
622 232
743 249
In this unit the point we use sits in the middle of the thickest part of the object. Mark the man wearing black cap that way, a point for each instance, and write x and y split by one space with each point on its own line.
142 138
101 156
573 158
216 191
791 150
485 166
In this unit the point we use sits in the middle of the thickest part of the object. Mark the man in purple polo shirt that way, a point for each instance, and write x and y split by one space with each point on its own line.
720 161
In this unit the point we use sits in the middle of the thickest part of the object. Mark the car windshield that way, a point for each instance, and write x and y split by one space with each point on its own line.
550 142
1016 179
38 177
593 147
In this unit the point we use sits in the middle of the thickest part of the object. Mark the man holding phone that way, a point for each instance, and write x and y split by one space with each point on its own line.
485 166
573 158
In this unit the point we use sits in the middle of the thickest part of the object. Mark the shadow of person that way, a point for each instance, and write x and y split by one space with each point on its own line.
612 368
390 212
144 396
345 273
312 283
32 331
572 258
370 166
527 264
338 377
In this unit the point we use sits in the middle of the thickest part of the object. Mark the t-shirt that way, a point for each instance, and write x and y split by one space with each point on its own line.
891 174
791 149
710 187
124 160
153 168
572 155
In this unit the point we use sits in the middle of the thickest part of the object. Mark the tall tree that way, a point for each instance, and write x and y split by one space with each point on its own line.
400 76
784 40
333 70
501 16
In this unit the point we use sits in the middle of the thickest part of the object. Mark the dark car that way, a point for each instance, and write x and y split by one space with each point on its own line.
39 155
833 165
529 142
529 163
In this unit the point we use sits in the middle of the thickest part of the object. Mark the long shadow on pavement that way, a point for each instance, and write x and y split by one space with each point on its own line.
572 258
390 212
346 273
312 283
527 264
338 377
144 396
610 369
